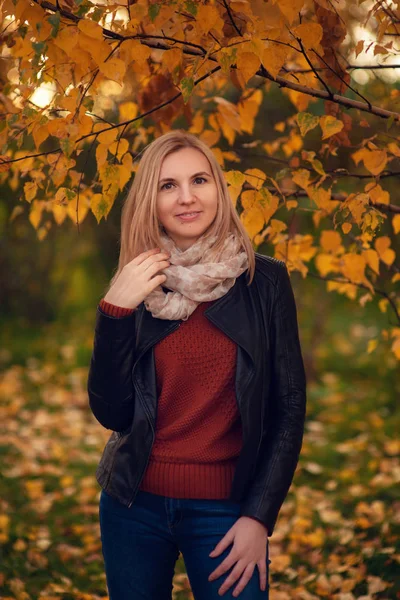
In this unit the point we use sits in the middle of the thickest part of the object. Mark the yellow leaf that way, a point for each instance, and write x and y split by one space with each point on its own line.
124 176
309 33
59 213
383 304
377 194
394 149
35 213
346 227
372 259
396 223
91 28
249 199
113 69
274 57
396 347
301 177
247 65
101 154
40 134
100 206
372 344
277 226
67 38
330 125
330 240
208 18
306 122
269 204
128 110
76 212
290 9
353 267
58 128
293 144
386 254
255 177
280 126
291 204
136 52
172 61
253 220
30 190
375 161
122 145
326 263
108 136
228 113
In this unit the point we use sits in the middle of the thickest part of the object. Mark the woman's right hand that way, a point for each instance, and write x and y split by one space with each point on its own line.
138 278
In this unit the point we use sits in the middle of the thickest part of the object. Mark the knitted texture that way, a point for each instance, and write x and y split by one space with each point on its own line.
198 433
113 310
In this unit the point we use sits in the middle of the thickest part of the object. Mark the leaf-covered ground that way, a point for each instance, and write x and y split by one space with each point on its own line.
338 531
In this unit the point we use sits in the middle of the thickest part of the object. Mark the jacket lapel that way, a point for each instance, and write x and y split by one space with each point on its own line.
233 314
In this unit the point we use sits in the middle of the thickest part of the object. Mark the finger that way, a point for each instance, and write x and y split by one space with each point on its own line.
153 259
244 580
158 266
224 543
262 568
226 564
142 257
232 577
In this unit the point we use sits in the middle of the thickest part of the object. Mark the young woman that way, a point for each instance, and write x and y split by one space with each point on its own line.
199 374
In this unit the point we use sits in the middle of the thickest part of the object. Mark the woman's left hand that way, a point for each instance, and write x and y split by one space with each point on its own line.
249 538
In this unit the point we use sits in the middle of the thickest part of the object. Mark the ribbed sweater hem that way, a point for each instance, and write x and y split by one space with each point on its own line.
114 310
176 480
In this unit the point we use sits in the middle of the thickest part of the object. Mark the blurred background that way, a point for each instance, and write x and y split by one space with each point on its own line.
338 531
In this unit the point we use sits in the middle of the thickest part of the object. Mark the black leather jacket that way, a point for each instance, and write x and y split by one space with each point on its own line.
270 387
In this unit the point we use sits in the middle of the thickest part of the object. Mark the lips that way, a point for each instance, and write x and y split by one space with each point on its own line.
194 212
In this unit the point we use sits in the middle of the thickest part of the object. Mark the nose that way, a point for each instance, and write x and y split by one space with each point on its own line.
186 195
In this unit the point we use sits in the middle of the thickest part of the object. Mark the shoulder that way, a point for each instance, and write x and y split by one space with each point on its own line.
268 268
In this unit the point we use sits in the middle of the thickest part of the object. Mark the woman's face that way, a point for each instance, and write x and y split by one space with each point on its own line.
186 185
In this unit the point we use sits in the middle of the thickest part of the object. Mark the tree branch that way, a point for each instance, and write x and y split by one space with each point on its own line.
262 72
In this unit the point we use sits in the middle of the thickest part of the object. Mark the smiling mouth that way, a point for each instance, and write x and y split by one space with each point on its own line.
191 214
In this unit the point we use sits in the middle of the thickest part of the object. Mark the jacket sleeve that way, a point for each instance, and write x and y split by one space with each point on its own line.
280 450
109 384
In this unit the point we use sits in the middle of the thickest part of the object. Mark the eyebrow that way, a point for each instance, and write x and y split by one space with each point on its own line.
194 175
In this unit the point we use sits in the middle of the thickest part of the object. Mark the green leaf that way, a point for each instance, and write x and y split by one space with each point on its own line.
154 9
191 7
97 14
54 20
66 146
84 7
186 88
389 122
306 122
39 47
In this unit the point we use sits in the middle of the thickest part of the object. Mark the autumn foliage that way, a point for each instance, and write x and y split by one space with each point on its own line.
81 79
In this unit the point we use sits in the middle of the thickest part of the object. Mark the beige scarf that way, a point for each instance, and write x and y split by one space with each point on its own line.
193 278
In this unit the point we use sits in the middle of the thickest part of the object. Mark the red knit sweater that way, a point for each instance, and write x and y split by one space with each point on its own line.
198 426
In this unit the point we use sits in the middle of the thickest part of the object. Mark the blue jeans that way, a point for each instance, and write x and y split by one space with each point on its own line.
141 545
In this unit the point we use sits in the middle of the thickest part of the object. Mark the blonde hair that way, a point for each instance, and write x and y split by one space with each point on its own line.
140 227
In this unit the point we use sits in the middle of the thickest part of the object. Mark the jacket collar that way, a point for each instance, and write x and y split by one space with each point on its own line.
233 314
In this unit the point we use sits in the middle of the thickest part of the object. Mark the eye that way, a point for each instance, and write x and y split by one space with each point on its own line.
170 183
